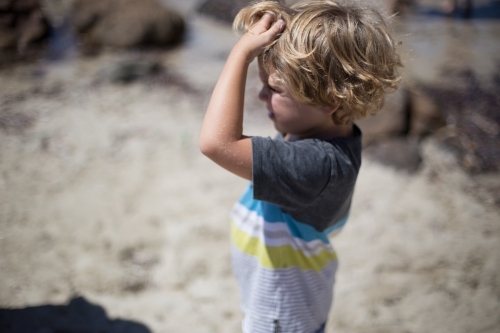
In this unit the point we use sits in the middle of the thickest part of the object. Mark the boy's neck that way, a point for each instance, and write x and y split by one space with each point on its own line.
335 131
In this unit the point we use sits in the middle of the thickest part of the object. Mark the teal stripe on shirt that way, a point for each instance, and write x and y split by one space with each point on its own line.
273 213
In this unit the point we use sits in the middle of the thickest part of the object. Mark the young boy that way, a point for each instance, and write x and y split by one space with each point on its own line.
323 65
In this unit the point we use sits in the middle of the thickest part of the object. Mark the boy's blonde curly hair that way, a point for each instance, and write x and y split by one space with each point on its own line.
331 53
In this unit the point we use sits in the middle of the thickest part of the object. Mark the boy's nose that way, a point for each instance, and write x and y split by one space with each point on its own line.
264 94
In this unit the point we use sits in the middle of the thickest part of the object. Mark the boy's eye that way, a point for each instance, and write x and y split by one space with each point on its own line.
272 88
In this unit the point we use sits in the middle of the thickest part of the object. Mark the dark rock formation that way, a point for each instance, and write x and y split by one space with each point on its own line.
127 23
425 114
21 23
472 120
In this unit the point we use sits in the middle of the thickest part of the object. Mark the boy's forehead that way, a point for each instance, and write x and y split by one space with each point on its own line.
270 77
263 74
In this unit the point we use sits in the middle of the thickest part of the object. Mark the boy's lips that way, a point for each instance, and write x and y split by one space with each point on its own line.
270 114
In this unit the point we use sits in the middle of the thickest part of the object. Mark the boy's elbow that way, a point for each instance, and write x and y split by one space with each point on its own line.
207 147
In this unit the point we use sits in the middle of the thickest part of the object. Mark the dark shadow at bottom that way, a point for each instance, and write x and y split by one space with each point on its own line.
79 316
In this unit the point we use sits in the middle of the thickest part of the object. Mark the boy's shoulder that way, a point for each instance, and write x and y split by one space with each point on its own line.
307 165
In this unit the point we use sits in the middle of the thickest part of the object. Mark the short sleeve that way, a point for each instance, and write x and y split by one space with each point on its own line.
290 174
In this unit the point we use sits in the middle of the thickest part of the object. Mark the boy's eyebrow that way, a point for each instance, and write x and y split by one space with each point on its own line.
276 83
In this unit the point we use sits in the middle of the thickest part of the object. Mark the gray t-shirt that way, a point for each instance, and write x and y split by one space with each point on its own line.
311 179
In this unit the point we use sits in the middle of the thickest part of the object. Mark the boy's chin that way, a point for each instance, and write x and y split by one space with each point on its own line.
279 129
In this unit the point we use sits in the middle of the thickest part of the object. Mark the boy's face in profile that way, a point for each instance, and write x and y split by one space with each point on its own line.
289 115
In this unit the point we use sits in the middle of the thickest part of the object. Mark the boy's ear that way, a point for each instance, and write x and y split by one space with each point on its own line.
329 109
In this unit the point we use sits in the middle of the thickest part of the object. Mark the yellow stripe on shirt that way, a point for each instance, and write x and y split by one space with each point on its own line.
283 256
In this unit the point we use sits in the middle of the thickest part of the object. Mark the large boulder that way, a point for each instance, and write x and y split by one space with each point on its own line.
21 23
127 23
472 119
426 116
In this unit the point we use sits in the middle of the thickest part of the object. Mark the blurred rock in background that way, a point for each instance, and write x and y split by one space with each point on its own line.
472 120
127 23
21 23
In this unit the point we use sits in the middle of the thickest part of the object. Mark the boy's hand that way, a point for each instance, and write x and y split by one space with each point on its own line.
260 35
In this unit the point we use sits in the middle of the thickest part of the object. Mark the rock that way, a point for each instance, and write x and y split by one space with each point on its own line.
401 153
127 23
5 4
426 116
7 19
18 5
391 120
57 12
224 10
472 120
7 38
24 5
32 29
21 23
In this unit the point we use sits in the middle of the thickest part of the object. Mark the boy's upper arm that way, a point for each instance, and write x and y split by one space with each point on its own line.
235 157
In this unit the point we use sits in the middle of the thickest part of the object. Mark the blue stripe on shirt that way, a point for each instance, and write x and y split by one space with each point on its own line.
272 213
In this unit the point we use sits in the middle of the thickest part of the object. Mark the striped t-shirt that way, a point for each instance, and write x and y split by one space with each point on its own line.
282 257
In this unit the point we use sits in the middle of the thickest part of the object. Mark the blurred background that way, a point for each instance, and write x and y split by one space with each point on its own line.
112 221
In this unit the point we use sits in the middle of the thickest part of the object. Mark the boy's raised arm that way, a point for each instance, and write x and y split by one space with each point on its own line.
221 137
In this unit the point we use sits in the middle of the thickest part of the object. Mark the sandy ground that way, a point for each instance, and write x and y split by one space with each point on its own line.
106 196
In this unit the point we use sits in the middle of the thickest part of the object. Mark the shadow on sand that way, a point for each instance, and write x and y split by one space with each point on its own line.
79 316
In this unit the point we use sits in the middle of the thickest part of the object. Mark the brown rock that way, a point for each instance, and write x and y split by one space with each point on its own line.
31 30
391 120
7 38
21 23
425 116
472 119
7 19
5 4
126 23
24 5
86 14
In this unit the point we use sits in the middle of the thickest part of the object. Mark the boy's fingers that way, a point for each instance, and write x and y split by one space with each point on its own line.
279 26
266 20
276 29
263 24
